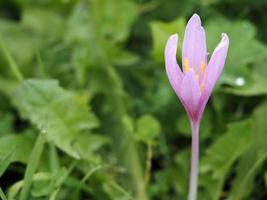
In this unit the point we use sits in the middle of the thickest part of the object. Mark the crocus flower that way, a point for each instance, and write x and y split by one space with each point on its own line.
194 83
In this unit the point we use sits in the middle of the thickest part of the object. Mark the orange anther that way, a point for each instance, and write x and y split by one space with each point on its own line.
186 65
202 67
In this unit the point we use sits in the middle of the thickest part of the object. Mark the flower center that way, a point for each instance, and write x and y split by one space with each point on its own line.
199 76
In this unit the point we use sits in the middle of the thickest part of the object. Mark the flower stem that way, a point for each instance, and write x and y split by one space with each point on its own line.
194 161
148 165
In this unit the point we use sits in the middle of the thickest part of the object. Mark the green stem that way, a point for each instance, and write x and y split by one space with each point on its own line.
194 161
148 165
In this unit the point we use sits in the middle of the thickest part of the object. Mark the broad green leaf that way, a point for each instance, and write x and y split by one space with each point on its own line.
147 129
161 32
7 120
54 110
5 161
243 50
210 188
22 144
221 155
253 159
253 87
92 47
87 144
219 158
115 17
36 19
247 170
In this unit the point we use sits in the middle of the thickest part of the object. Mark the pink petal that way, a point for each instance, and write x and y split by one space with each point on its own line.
190 94
216 64
173 70
194 44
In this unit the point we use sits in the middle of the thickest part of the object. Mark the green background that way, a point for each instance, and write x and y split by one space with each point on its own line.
86 110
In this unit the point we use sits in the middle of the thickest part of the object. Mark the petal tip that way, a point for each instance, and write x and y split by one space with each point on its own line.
195 19
224 42
173 40
195 15
225 37
174 37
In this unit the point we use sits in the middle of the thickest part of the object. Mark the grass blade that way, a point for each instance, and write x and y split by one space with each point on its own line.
2 194
32 165
12 64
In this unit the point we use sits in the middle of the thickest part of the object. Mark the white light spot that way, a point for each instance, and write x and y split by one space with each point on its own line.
240 81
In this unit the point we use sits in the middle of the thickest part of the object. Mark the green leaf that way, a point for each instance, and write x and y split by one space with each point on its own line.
253 159
161 32
37 18
2 194
38 179
87 144
247 170
218 159
22 144
114 25
60 180
45 183
19 39
211 189
7 120
147 129
209 2
55 110
255 86
4 163
243 50
32 165
115 191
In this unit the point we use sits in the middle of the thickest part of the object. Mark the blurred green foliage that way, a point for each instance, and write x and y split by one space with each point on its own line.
87 112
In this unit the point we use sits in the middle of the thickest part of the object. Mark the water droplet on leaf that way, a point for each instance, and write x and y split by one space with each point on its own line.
240 81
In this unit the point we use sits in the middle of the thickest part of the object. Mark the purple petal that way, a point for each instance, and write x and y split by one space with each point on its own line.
190 94
216 64
173 70
194 44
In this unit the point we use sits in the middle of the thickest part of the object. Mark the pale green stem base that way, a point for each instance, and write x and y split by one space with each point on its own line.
192 195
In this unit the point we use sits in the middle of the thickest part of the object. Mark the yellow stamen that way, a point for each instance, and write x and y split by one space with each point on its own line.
202 67
197 77
186 65
202 87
